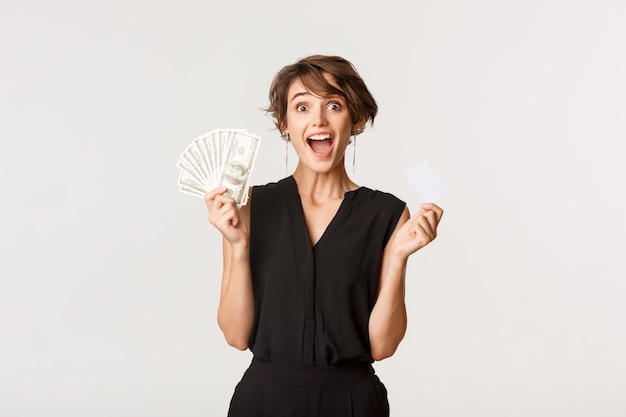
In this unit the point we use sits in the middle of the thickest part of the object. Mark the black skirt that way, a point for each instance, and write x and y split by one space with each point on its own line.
272 390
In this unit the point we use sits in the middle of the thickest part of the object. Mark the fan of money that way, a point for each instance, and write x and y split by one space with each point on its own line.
219 158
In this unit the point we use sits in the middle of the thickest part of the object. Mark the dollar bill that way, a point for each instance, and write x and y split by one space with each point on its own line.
189 167
190 182
238 165
222 157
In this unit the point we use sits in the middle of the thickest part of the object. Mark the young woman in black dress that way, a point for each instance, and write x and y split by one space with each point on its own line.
314 265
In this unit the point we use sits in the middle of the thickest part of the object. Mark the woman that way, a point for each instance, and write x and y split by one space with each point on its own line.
314 265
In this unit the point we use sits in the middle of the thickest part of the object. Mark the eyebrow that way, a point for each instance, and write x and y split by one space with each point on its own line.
302 93
308 93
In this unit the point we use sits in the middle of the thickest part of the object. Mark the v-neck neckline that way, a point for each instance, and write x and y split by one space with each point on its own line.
347 197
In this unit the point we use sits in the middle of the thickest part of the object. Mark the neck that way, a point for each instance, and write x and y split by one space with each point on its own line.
323 185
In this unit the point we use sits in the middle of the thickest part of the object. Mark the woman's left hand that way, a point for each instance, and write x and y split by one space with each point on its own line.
418 231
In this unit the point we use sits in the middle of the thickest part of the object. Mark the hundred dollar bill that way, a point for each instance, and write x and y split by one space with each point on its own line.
238 165
189 182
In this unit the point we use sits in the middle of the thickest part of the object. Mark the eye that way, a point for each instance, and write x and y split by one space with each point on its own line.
334 106
301 107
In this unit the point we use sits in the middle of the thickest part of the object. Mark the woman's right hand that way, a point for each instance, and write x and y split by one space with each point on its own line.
226 217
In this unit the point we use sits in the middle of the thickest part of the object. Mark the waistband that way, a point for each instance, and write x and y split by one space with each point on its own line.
311 375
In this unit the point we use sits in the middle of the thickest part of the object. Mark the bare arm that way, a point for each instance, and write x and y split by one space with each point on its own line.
236 310
388 320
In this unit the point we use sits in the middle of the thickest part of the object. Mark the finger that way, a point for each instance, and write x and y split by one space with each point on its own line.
220 202
411 226
210 196
428 225
432 217
228 214
224 221
433 207
217 211
423 229
224 200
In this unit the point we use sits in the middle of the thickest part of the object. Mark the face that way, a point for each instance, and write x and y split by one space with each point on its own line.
319 128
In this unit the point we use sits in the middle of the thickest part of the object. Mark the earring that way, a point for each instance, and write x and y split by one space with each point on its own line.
354 152
286 138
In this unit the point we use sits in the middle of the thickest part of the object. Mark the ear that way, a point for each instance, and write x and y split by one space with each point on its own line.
284 132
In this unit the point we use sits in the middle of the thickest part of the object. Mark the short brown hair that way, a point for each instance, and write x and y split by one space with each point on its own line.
310 71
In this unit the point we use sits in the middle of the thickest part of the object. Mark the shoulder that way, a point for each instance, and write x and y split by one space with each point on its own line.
381 198
269 194
384 207
282 185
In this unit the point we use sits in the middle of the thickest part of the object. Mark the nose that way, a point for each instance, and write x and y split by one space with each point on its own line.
319 116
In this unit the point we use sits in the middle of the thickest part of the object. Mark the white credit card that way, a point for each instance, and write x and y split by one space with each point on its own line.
426 183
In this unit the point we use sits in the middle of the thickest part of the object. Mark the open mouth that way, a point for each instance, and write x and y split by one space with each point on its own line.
320 144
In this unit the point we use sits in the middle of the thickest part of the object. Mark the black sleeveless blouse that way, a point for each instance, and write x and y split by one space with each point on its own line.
312 303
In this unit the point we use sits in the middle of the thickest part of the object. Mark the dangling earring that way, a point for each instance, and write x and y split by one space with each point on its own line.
286 138
354 152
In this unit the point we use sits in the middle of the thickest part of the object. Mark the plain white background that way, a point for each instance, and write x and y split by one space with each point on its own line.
110 277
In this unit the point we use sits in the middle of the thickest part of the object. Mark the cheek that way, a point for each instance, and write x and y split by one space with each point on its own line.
292 121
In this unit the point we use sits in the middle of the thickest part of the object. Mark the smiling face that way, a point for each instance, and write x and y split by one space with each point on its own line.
319 127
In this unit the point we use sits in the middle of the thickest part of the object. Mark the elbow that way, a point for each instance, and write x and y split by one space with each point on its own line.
385 346
234 335
383 353
237 343
237 340
380 356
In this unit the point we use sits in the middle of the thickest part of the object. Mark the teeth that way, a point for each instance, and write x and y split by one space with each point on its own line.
319 137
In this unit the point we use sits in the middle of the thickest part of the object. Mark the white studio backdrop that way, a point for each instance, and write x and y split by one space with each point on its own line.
109 277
